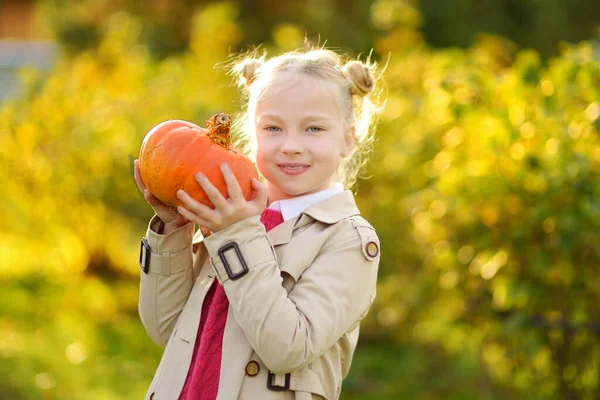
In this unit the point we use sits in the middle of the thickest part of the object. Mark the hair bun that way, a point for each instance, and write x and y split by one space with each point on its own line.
360 77
248 70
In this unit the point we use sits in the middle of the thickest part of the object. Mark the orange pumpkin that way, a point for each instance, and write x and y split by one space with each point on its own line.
174 151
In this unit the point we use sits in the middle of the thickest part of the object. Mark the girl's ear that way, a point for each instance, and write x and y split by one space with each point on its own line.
349 139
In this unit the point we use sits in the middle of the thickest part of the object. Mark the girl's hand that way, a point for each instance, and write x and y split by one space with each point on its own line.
227 211
165 213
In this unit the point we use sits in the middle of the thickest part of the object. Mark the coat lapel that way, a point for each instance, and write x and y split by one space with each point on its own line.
282 233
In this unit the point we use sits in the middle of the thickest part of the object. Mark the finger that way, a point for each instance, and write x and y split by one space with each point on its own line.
211 191
233 187
195 206
138 177
195 218
260 193
205 231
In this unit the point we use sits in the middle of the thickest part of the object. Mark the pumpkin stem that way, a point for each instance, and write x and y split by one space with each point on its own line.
218 129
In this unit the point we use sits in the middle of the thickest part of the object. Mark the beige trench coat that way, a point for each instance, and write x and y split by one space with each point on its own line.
294 313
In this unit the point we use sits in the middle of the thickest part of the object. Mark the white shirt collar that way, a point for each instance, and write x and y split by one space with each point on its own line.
291 208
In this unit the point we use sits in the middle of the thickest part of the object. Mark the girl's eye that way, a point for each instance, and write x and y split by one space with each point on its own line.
272 128
315 129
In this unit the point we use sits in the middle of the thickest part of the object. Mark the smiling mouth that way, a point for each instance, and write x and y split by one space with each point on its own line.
293 169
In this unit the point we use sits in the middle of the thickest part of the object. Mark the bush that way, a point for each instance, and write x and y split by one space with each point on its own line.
489 162
72 216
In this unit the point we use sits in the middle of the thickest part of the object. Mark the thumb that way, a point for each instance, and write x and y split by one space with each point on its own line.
205 231
153 201
158 206
260 192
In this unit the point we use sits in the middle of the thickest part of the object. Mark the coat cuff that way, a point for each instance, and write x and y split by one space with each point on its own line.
168 251
238 248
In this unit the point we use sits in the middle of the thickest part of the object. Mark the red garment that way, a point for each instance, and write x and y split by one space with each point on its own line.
271 218
202 382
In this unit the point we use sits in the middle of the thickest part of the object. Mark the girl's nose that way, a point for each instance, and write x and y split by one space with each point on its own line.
291 145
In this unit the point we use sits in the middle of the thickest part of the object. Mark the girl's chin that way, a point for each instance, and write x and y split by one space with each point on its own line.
287 191
292 191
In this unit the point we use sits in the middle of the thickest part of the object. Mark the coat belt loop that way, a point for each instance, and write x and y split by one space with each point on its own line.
278 382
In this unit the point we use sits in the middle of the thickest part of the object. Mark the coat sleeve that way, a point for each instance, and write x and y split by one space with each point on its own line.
168 282
333 294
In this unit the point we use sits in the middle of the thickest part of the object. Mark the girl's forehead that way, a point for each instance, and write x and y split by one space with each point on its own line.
298 90
282 82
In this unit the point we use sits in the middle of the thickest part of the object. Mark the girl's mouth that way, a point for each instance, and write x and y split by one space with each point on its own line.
293 169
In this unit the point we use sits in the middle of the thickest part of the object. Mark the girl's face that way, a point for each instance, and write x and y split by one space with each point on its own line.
300 136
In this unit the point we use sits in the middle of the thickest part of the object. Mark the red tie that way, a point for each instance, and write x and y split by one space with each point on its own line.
202 382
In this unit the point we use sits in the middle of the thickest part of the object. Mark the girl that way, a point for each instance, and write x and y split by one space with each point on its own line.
265 303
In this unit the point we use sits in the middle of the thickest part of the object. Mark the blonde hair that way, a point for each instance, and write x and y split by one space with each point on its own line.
357 99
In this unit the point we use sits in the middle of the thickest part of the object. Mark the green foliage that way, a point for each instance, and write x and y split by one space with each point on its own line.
166 24
530 23
483 189
489 162
72 216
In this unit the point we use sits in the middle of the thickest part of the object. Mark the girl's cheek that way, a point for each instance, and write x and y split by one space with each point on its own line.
267 146
262 158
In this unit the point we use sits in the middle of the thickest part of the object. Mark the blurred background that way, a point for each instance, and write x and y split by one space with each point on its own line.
483 185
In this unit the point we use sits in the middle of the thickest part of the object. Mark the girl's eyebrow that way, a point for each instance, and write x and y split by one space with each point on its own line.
271 116
315 118
305 119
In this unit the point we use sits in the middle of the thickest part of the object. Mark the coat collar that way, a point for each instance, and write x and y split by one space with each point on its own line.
328 211
334 208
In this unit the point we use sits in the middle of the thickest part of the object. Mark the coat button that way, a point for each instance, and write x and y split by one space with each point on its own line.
372 249
252 368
